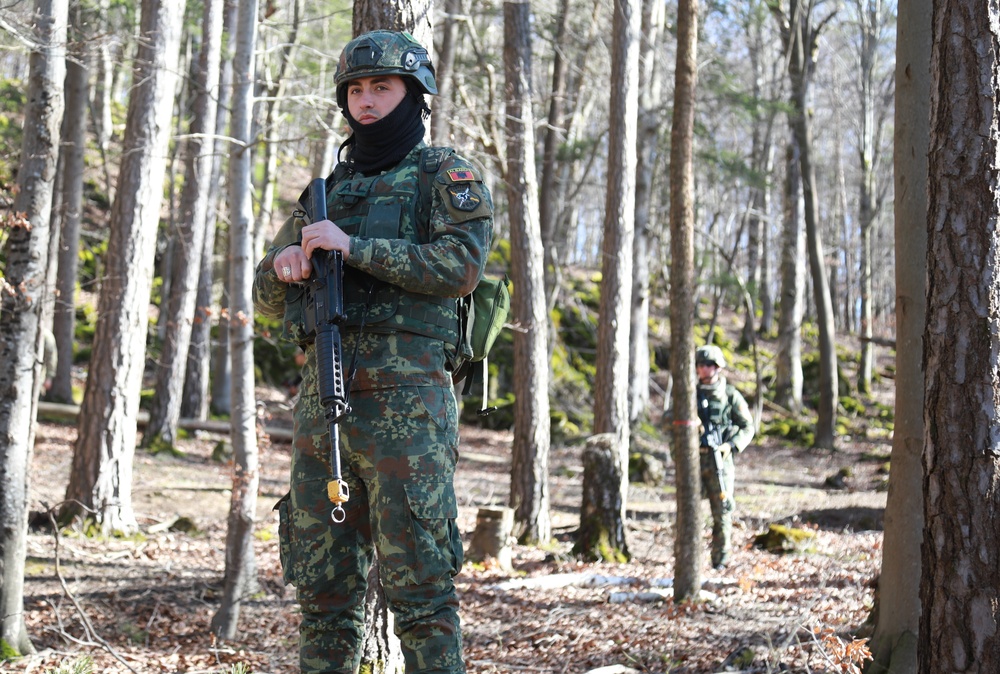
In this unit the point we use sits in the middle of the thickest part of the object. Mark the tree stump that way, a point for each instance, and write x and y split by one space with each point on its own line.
492 538
601 536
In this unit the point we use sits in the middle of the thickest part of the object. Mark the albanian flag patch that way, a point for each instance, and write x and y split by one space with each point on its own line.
458 175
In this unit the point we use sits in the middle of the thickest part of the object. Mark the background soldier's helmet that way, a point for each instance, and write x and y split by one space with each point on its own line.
711 354
384 52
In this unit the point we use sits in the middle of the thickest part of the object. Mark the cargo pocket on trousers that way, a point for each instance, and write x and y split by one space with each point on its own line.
284 508
437 544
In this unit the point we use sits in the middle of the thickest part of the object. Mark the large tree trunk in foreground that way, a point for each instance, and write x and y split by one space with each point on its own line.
959 583
24 295
684 435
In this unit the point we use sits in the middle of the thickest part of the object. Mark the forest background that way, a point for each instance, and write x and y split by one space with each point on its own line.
757 218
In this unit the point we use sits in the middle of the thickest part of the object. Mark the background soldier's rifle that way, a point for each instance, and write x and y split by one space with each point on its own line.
712 438
325 309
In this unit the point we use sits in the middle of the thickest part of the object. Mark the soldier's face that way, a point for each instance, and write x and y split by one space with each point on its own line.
707 372
369 99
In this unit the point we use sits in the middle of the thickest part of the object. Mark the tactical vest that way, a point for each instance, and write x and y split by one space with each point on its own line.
388 206
715 406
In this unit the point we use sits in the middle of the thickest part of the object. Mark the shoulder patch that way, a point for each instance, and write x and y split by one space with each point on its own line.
461 174
463 198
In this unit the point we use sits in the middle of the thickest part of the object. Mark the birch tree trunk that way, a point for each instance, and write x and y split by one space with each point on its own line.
645 171
529 486
189 239
101 478
959 584
687 542
241 567
611 378
894 643
24 295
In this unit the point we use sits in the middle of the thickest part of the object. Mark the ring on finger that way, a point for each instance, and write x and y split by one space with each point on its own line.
286 272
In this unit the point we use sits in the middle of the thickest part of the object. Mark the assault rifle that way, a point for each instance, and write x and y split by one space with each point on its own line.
324 315
711 438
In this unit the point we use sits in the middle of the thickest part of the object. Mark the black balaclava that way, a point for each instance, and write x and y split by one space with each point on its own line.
378 146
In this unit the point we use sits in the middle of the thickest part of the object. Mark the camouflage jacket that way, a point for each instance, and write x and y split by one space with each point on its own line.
410 258
725 407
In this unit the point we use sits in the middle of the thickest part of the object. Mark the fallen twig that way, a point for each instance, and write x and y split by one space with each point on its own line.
96 639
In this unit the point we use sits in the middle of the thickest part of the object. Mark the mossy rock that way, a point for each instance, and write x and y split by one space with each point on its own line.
780 539
646 469
222 452
185 525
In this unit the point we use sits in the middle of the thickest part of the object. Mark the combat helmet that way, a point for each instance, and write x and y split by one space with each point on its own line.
710 353
384 52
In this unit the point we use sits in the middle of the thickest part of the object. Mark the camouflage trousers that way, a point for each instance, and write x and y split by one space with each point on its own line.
399 448
722 510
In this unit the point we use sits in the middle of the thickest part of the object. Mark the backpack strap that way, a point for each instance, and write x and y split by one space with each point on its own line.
431 159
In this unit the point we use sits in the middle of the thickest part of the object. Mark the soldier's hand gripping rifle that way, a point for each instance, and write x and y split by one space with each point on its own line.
712 438
325 307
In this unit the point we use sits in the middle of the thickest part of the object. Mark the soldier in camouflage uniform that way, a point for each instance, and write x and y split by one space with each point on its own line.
408 254
722 409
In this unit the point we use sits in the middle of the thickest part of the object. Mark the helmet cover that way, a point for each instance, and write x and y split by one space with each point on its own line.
711 354
384 52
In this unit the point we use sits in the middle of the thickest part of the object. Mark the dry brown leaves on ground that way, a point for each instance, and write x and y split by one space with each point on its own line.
144 604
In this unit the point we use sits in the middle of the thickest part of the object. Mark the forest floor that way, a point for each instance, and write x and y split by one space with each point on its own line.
144 604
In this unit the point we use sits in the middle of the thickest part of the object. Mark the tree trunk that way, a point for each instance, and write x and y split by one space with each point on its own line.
646 162
555 135
872 22
959 583
788 368
272 110
195 402
601 536
103 85
415 16
762 165
241 567
101 479
802 45
529 487
25 293
189 240
221 379
687 541
611 378
894 643
444 64
73 146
